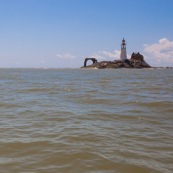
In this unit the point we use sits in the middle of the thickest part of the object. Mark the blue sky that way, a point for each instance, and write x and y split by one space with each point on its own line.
61 33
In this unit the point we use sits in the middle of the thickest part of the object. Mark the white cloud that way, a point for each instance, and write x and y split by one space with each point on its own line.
105 55
160 53
114 55
66 56
98 56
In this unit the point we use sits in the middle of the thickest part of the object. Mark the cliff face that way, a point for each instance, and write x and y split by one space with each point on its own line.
136 61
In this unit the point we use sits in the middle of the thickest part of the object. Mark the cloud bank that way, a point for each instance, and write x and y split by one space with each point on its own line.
105 55
160 53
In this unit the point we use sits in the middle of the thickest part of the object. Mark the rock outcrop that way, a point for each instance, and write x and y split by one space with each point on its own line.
136 61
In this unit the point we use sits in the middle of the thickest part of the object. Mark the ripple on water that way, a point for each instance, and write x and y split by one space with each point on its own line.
105 121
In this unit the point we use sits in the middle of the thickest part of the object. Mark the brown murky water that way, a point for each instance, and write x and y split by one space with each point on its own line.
86 121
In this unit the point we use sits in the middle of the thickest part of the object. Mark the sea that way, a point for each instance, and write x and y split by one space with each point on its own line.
86 120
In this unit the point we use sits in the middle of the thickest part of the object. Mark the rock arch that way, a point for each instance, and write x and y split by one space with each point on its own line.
87 59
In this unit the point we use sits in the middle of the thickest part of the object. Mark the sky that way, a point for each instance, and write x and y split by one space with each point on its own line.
62 33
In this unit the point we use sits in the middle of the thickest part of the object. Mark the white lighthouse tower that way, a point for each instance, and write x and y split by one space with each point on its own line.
123 55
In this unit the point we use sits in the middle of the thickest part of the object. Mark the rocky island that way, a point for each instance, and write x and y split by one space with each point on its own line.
136 61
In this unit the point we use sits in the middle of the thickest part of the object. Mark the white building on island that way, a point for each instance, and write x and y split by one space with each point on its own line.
123 55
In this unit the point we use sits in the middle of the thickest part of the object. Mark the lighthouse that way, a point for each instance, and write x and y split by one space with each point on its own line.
123 55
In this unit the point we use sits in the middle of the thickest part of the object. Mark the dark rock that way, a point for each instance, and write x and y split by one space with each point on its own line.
137 57
137 61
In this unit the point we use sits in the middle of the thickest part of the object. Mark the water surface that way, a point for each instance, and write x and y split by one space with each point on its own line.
89 121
